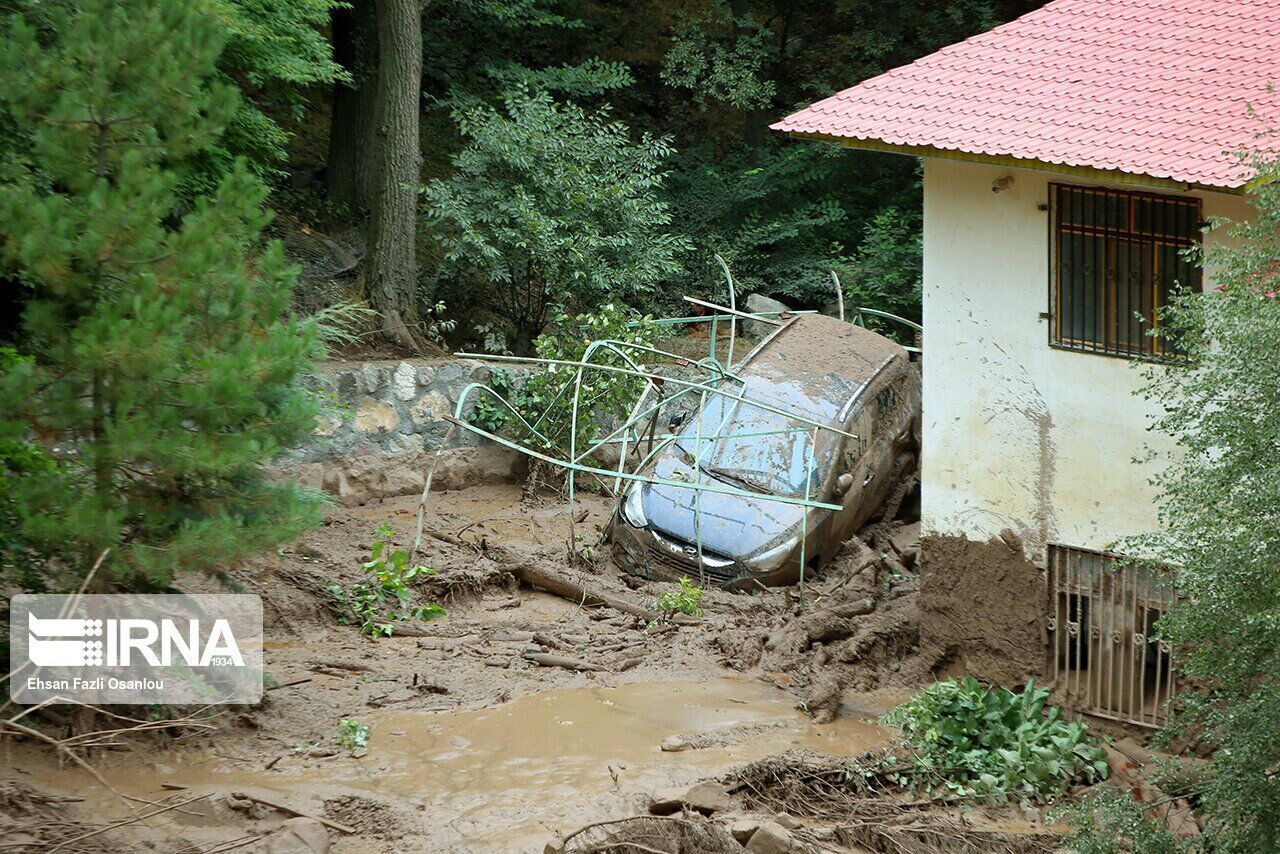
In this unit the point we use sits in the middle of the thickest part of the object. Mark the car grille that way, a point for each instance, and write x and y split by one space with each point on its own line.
689 566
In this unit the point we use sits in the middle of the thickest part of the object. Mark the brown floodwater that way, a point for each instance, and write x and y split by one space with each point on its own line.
506 778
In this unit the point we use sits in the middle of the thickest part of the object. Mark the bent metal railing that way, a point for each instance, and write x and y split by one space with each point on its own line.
640 422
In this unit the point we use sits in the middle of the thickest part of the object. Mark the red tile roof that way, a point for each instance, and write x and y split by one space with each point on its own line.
1161 88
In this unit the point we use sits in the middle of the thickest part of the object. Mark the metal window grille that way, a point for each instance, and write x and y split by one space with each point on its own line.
1118 256
1101 614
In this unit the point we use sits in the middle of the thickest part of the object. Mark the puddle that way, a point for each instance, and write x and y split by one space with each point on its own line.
557 748
505 778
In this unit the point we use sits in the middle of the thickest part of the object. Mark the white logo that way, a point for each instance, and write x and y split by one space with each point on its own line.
135 648
49 647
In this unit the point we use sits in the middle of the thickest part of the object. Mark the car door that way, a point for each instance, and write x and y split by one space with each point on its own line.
854 461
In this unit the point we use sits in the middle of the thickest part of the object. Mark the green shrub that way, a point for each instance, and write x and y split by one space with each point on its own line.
549 204
488 414
545 400
686 598
383 596
991 743
1114 823
352 734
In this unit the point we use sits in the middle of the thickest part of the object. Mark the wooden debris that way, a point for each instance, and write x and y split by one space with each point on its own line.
556 583
546 659
275 806
335 664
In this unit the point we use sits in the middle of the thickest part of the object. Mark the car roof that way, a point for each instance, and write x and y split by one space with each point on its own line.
815 364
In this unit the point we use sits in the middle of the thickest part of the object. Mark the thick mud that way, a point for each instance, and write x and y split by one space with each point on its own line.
481 738
982 606
507 778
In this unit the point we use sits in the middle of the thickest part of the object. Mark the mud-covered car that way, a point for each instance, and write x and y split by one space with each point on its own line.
821 369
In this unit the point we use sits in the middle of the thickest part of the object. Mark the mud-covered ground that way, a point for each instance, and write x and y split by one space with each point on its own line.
480 738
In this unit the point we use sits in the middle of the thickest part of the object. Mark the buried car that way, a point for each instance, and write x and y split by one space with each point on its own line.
820 412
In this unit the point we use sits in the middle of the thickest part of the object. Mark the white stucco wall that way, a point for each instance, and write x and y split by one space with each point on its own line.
1018 434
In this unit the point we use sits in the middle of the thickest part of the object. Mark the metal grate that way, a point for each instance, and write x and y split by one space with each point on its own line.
1118 256
1103 659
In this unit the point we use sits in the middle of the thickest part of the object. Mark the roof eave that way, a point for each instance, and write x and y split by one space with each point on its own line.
1106 175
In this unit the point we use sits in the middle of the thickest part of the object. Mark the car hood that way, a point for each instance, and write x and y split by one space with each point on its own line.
733 526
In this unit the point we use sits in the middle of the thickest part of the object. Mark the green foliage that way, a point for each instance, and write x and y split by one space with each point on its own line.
1219 500
730 70
886 271
162 363
275 52
479 49
1114 823
545 401
352 734
383 596
685 598
487 414
551 203
20 460
774 217
707 79
992 743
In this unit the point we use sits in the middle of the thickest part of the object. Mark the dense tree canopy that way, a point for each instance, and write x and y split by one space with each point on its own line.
708 78
158 363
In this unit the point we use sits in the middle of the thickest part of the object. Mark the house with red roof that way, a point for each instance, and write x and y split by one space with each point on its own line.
1070 158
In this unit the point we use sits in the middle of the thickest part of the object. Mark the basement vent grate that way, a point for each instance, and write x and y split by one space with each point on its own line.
1102 611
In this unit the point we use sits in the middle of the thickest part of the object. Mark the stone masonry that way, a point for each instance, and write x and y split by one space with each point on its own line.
381 427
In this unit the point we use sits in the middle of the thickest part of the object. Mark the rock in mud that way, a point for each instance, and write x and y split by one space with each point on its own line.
299 836
759 303
705 797
823 702
676 743
771 838
741 827
906 542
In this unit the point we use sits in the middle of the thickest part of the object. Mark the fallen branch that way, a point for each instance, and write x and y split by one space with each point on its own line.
546 659
555 583
122 823
289 684
276 806
335 664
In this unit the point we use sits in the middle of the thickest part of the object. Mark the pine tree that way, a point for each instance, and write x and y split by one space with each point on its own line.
160 360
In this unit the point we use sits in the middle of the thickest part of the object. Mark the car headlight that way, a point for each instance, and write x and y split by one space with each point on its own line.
773 557
633 507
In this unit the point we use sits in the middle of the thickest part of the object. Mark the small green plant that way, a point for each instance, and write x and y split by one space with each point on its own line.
686 598
488 414
352 734
383 596
965 740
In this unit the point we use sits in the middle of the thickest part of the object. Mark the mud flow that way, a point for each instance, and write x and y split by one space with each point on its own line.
507 778
551 696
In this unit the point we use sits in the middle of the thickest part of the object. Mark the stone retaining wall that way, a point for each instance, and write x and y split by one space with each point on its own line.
383 424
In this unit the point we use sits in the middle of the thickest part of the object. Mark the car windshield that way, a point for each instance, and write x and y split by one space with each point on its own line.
761 450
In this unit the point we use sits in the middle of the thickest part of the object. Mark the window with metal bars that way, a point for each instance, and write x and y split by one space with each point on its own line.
1118 256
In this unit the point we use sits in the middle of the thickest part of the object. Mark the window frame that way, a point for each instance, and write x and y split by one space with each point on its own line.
1108 342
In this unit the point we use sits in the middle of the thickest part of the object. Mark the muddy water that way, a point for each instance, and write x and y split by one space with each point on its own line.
505 778
536 763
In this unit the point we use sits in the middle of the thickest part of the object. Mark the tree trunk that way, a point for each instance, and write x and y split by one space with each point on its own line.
390 266
349 169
